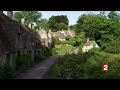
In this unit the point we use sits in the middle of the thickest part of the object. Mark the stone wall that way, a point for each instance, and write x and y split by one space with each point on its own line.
15 36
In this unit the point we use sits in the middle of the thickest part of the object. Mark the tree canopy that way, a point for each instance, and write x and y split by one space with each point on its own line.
42 23
105 30
29 16
58 22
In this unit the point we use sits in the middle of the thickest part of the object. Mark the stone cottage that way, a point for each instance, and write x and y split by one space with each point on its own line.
89 45
68 32
58 35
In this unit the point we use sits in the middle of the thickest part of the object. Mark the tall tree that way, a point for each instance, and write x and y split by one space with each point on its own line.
62 26
105 31
31 17
114 16
42 23
58 22
102 13
72 27
18 16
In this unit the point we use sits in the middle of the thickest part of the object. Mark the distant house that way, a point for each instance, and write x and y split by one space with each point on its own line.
45 38
53 34
68 32
65 32
89 45
58 35
61 36
72 33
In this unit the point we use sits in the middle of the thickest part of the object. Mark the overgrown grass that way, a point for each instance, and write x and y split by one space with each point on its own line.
87 66
23 62
69 42
6 71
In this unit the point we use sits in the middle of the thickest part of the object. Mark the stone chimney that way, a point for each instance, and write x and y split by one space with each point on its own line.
29 25
49 35
23 20
87 39
10 14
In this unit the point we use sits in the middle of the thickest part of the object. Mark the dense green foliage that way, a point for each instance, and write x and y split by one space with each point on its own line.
23 61
6 71
70 41
105 30
30 17
42 23
87 66
58 22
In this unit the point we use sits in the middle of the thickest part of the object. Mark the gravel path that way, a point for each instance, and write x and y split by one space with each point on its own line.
39 70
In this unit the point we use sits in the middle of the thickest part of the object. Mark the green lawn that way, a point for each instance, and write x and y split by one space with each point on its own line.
65 49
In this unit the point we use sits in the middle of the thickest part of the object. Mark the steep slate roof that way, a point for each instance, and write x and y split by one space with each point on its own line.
61 35
66 32
53 33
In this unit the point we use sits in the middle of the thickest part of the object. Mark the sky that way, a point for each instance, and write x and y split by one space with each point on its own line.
72 15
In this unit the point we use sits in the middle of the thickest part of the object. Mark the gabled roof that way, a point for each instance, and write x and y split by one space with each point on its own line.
53 33
88 43
61 35
66 32
72 32
42 31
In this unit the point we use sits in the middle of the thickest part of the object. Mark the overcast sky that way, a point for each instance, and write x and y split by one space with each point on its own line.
72 15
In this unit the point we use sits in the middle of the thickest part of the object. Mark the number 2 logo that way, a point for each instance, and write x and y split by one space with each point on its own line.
104 67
